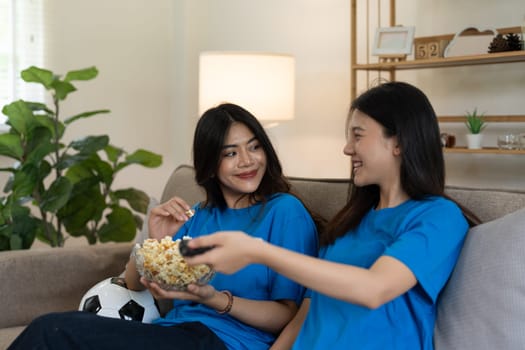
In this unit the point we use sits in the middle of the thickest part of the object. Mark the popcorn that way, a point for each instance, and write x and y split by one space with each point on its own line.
162 263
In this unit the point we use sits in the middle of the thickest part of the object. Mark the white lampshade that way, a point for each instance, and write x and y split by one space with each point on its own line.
263 83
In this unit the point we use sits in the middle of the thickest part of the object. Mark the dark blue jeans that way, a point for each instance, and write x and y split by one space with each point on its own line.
83 330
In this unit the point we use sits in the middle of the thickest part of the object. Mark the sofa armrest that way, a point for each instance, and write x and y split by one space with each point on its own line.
35 282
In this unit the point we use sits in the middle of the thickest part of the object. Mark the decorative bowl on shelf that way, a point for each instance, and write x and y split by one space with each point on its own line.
509 141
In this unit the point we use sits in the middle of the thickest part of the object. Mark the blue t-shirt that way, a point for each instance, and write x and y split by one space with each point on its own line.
427 237
282 221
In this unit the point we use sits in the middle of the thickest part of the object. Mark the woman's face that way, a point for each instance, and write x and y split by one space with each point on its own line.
242 165
375 157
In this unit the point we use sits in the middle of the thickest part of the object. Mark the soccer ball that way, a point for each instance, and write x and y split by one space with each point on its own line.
111 298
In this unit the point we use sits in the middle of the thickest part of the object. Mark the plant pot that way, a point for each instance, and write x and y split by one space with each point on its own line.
474 141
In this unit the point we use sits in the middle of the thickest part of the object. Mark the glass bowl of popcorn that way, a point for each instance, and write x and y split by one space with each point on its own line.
162 263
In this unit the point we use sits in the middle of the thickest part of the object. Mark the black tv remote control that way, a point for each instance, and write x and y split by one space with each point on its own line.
187 251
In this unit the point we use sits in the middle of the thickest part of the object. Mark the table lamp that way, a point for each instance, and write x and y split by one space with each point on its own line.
262 83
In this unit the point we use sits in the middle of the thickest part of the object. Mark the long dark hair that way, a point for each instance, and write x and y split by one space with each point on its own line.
405 112
208 141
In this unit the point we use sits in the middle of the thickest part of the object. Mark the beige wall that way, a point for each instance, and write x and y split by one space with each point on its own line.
147 54
131 43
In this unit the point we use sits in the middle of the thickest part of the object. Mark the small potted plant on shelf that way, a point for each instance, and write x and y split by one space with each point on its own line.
475 125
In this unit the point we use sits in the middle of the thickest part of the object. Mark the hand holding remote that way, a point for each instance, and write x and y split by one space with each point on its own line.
189 252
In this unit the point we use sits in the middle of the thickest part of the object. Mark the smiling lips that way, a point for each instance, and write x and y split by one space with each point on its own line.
247 175
357 164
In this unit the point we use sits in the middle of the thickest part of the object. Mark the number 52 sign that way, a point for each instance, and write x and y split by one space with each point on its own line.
431 46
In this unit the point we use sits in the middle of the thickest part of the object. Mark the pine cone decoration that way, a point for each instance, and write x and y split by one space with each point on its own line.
513 42
498 44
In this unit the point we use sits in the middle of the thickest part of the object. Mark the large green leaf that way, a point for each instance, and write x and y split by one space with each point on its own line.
142 157
24 181
94 167
62 89
18 211
5 234
44 169
57 195
38 107
38 155
48 234
87 186
82 231
85 204
12 209
21 231
113 153
53 125
83 159
38 75
104 171
90 144
78 172
15 242
3 218
11 146
82 74
39 145
85 115
69 160
137 199
120 226
26 230
138 221
20 116
9 183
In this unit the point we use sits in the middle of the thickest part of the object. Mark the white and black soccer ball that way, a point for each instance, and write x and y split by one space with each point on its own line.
111 298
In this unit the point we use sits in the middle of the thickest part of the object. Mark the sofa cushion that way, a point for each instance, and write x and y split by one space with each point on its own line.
182 183
324 196
7 335
488 204
54 279
482 305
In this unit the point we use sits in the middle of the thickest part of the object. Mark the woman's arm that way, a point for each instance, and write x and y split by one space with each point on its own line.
267 315
289 333
386 279
132 276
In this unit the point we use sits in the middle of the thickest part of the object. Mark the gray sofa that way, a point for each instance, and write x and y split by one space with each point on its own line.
482 306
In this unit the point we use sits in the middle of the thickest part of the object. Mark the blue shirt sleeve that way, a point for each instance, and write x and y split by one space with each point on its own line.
292 228
431 243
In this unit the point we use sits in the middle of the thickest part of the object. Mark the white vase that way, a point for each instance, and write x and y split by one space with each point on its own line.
474 141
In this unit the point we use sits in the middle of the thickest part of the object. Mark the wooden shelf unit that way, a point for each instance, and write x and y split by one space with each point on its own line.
489 58
487 118
391 67
484 150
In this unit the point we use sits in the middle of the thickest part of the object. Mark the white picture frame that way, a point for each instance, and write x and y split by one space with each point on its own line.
393 41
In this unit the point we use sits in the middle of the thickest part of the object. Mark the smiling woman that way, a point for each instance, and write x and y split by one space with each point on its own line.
245 189
21 45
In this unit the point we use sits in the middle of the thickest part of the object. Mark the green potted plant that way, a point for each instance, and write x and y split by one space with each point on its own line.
57 189
475 125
